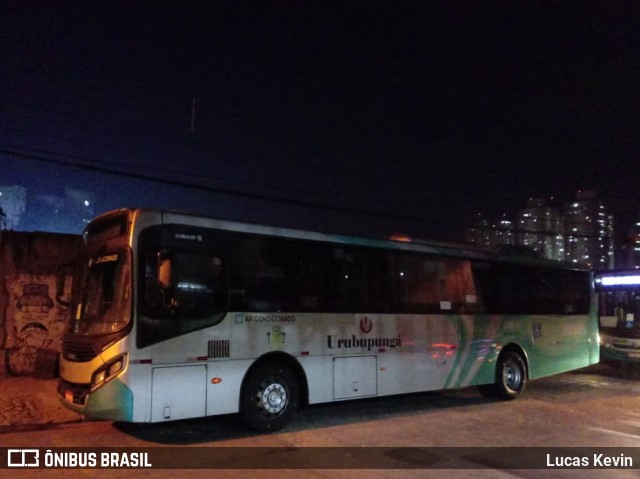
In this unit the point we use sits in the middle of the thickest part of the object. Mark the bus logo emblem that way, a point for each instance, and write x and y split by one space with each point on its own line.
366 325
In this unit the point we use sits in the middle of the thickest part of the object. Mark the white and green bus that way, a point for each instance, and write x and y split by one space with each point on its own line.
177 316
619 315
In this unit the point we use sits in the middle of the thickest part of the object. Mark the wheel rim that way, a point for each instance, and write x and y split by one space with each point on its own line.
273 398
512 376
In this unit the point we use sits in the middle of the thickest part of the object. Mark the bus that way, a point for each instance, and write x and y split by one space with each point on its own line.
619 315
176 316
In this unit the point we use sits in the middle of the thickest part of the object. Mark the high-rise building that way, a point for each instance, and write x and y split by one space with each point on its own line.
541 228
477 230
491 234
589 232
580 232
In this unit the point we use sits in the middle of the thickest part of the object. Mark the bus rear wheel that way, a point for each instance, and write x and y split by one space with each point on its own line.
269 397
511 376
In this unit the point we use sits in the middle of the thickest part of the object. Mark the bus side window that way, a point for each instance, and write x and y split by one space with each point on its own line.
354 286
198 285
266 274
416 284
346 281
379 282
187 282
311 287
457 287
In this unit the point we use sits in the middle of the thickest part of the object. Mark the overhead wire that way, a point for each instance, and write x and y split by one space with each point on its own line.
205 188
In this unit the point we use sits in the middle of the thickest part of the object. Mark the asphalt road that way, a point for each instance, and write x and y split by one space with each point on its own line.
416 435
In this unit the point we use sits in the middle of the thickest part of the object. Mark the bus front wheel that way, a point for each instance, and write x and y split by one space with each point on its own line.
269 397
511 376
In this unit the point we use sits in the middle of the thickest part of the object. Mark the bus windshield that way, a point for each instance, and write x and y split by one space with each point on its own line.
620 309
104 302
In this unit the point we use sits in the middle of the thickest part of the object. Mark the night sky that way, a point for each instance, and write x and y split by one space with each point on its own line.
368 117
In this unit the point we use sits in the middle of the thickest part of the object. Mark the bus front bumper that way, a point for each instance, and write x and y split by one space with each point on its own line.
112 401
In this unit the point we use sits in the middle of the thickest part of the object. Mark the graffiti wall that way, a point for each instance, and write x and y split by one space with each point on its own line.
38 320
31 317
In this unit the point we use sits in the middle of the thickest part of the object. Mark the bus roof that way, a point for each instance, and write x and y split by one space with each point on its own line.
395 242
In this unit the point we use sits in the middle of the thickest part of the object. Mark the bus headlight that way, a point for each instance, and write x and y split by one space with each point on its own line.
108 370
115 367
98 377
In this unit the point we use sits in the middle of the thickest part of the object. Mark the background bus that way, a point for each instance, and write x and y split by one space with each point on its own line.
178 316
619 315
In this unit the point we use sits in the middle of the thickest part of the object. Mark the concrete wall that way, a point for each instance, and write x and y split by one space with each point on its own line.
30 316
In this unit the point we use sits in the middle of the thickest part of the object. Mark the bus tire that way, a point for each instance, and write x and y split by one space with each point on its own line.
511 376
269 397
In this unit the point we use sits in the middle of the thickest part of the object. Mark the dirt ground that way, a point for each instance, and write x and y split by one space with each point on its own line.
26 401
